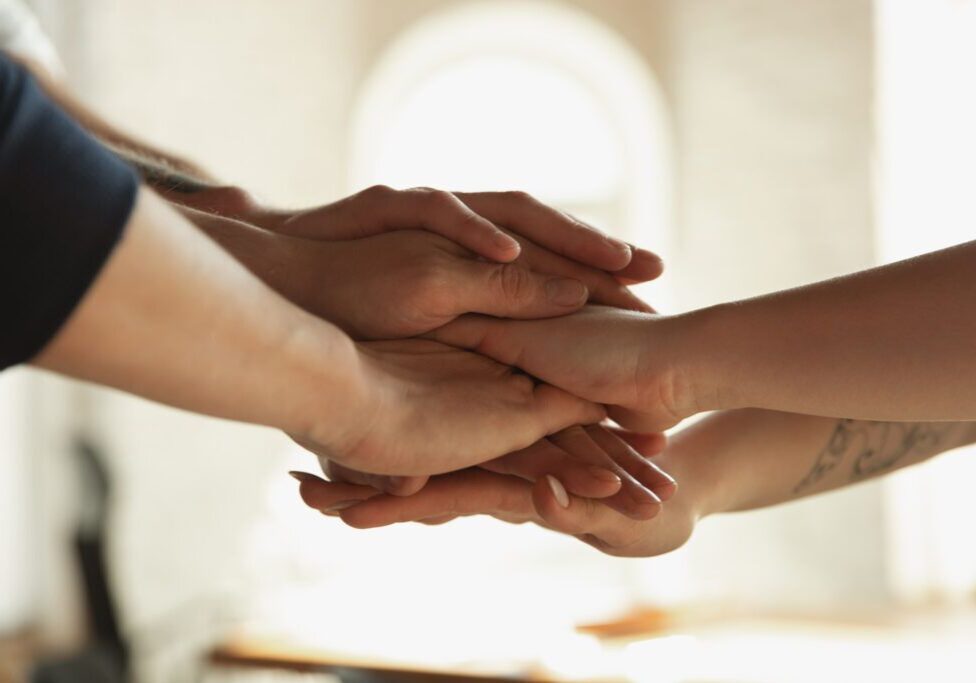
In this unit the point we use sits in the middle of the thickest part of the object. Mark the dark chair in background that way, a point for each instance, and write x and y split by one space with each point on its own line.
105 658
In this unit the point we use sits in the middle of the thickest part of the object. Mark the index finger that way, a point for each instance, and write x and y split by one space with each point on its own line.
553 229
468 492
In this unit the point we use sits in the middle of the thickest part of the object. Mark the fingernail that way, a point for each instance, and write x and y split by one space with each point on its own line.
666 491
341 505
558 491
302 476
506 242
602 474
643 496
393 484
565 291
646 255
619 245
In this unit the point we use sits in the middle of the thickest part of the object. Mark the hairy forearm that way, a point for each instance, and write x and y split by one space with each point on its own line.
891 343
172 317
750 458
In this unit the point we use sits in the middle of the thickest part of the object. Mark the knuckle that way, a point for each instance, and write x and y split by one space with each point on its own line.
513 282
523 385
439 199
377 192
430 286
518 196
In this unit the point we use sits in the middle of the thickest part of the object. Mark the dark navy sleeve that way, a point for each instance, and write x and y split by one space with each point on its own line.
64 202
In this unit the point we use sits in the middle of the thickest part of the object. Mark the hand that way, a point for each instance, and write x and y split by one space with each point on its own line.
623 359
589 461
513 499
471 220
407 283
423 408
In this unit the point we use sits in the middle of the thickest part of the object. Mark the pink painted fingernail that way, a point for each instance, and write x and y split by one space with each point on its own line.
393 484
341 505
302 476
643 496
558 491
602 474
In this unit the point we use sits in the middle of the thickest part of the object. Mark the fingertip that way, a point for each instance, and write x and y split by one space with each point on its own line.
666 490
545 503
505 247
551 511
313 494
558 491
619 253
653 444
360 517
302 477
404 486
608 478
645 504
644 266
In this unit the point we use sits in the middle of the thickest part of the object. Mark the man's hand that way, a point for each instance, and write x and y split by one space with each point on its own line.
514 499
423 408
406 283
410 282
493 225
623 359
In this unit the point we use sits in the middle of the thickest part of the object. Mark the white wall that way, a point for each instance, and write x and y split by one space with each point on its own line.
773 114
16 578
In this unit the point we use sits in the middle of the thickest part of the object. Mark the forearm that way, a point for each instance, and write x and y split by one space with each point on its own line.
891 343
174 318
744 459
142 153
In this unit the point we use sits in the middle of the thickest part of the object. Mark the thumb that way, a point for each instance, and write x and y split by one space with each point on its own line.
397 486
506 290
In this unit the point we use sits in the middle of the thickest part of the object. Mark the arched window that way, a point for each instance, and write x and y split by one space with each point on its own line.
523 96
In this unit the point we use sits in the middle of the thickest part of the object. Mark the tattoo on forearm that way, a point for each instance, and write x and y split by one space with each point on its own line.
876 447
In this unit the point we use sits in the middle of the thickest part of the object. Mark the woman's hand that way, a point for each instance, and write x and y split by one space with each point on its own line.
486 223
624 359
591 462
405 283
423 408
516 499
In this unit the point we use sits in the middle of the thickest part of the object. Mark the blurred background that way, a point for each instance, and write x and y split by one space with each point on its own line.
755 144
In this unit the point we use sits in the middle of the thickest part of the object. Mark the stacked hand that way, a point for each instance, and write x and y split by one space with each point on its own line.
387 265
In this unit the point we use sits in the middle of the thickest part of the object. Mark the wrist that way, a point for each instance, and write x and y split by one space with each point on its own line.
335 397
703 365
702 488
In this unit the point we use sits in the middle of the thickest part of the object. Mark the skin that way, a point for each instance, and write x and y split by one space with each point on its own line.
331 259
405 283
890 343
714 461
638 490
174 318
483 222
